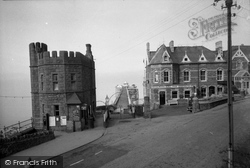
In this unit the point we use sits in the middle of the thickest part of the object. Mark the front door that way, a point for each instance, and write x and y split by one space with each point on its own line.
211 90
162 97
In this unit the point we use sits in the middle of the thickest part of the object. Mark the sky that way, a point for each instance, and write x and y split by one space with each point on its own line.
118 31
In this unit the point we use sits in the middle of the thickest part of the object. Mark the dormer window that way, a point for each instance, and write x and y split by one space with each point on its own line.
219 56
202 58
166 57
185 58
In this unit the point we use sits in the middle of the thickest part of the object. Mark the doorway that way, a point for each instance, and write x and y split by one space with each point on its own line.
162 97
211 90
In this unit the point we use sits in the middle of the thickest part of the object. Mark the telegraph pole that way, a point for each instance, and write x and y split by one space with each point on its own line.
229 4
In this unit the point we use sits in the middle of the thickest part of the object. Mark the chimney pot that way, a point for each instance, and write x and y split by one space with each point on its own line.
171 45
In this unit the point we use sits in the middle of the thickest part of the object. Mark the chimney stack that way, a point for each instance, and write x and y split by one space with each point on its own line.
148 47
218 47
171 45
88 51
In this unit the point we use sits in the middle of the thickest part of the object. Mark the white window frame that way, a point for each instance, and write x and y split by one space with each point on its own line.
168 76
177 94
205 75
189 75
218 75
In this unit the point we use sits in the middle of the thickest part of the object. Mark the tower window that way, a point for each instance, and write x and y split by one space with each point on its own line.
73 81
41 81
55 82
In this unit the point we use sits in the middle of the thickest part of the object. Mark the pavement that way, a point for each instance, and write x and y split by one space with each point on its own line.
65 142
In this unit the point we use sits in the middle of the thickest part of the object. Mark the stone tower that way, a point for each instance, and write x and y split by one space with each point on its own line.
62 86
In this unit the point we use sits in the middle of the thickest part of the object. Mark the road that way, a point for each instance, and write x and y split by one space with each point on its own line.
188 141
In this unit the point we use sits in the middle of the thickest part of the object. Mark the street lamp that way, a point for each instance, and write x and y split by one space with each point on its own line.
106 100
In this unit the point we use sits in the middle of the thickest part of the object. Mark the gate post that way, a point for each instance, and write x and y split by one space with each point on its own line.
147 112
195 105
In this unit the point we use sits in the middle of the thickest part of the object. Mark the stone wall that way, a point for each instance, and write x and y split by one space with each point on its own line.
16 144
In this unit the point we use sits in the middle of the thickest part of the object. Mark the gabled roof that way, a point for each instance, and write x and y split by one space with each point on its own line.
242 73
73 99
241 51
193 52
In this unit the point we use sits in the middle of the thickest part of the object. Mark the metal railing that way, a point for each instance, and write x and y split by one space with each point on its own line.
13 129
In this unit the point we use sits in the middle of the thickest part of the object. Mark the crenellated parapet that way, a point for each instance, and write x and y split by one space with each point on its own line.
37 47
34 49
62 57
39 55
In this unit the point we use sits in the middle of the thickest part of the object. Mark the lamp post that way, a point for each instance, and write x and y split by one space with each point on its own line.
107 103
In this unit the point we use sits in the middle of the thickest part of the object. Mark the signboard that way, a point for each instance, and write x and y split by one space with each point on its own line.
52 121
63 120
208 28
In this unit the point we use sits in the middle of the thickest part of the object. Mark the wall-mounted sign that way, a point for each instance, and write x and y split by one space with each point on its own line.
52 121
208 28
76 115
63 120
